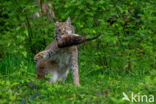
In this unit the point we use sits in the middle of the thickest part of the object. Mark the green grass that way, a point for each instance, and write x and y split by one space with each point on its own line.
18 84
10 64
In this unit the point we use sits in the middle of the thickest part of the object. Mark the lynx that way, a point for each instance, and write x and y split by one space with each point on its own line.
61 54
57 61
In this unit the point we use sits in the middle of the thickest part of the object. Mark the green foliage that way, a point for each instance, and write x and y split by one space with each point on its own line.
121 60
96 87
127 29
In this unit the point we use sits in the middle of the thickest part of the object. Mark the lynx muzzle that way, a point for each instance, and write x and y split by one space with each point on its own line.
70 40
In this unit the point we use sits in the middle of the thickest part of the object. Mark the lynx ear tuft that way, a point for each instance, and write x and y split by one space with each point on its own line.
68 21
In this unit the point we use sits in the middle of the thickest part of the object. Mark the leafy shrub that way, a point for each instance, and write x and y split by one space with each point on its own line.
121 60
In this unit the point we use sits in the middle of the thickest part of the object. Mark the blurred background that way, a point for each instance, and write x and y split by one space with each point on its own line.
128 31
127 45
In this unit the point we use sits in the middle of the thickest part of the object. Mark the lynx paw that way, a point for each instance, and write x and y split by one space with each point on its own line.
39 56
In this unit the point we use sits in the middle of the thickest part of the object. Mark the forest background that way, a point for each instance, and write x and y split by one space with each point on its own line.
123 59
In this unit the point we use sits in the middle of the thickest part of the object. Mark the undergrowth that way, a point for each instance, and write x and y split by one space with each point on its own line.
19 85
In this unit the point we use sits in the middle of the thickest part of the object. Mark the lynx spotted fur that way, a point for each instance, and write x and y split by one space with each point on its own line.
58 61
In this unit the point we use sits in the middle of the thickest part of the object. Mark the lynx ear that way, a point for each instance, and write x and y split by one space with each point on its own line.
68 21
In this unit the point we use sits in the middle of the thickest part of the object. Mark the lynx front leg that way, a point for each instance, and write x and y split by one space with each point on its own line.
46 54
74 67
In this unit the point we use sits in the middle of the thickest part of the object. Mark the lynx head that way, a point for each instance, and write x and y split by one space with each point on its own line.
63 28
65 35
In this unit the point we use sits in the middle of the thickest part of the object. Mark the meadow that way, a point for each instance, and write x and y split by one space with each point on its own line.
121 61
19 84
